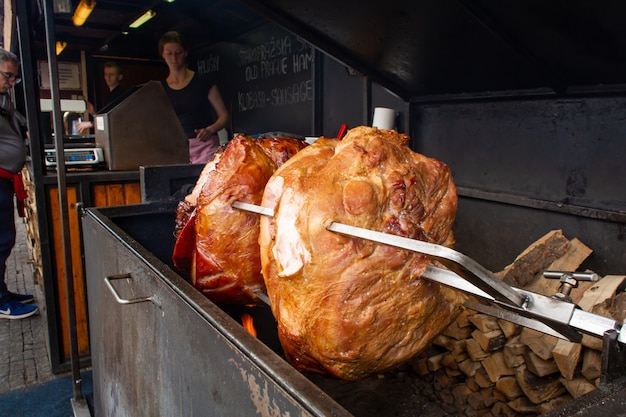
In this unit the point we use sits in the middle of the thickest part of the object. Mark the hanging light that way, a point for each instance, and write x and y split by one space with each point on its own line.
60 46
142 19
82 12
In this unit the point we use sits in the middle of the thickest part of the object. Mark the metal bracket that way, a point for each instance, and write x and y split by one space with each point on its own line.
562 318
569 280
613 357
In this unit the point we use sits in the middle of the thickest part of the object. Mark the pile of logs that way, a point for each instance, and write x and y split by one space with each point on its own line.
484 366
31 221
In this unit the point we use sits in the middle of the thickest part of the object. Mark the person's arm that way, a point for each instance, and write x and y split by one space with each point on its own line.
83 127
90 108
222 116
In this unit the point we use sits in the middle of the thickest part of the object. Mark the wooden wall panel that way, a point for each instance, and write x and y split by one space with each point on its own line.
116 194
77 271
102 195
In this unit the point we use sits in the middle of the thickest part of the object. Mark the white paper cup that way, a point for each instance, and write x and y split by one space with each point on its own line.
384 118
310 139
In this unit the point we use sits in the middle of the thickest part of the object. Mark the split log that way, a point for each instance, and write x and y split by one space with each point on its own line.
605 288
513 351
454 347
469 367
578 387
614 307
453 373
508 328
443 341
461 393
496 367
476 400
475 351
523 405
553 404
484 322
540 343
575 255
592 342
490 341
499 397
459 352
449 362
513 361
457 332
538 390
592 364
482 379
502 409
462 319
535 259
509 387
434 362
445 396
471 382
566 356
477 412
491 396
444 380
538 366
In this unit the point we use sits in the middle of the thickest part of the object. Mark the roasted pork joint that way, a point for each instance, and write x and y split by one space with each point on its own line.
345 306
218 245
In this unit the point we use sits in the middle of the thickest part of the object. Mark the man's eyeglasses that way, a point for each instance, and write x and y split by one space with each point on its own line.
11 77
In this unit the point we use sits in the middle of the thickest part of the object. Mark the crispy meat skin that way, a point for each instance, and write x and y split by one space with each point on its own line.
349 307
218 246
187 206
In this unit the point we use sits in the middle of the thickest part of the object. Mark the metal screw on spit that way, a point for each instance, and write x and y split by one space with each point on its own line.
569 280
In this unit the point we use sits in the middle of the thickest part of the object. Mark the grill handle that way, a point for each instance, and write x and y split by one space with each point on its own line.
120 300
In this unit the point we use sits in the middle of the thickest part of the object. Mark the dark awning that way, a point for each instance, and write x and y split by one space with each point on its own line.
421 48
418 49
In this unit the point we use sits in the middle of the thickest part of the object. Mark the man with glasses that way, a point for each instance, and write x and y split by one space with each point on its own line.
12 158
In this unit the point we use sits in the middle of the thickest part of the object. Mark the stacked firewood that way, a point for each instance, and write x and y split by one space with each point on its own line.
32 233
486 366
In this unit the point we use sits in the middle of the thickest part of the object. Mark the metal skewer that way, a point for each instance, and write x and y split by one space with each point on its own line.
546 314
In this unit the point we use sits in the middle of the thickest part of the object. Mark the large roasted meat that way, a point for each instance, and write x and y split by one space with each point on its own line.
347 306
218 246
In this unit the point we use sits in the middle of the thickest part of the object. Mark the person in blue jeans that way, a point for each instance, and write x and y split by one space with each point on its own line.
12 158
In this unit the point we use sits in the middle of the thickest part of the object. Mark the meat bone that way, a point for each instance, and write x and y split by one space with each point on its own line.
545 314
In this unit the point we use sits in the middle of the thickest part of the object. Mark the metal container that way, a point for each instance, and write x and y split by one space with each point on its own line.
159 347
141 130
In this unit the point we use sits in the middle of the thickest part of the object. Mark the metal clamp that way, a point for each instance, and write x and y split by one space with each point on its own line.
569 280
120 300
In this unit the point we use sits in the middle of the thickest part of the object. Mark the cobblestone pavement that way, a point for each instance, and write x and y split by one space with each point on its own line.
24 358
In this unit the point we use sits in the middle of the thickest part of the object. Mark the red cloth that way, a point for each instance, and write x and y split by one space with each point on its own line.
18 188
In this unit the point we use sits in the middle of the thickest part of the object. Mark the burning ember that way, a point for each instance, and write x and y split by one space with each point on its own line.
247 323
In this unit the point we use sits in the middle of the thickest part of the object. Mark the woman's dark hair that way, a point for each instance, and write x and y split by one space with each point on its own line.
172 37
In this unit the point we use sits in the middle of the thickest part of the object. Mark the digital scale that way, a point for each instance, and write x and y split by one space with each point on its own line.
84 157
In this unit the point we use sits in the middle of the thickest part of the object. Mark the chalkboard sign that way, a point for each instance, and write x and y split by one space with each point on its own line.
266 80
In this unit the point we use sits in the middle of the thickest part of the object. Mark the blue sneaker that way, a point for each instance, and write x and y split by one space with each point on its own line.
16 310
21 298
